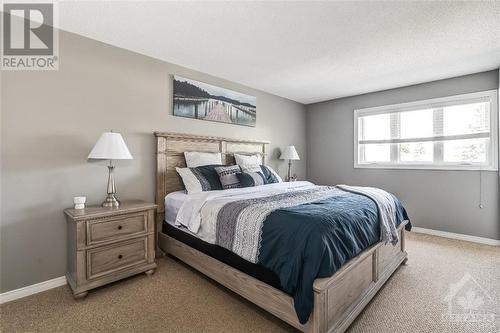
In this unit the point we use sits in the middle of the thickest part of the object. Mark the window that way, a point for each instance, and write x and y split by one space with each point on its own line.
456 132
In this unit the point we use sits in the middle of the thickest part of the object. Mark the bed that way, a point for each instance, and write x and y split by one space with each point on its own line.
336 299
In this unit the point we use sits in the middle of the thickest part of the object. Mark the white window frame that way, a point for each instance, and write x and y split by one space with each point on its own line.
492 95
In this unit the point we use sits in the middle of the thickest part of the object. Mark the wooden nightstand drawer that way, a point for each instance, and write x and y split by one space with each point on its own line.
116 228
106 260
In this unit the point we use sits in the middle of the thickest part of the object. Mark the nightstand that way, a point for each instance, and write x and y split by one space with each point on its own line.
109 244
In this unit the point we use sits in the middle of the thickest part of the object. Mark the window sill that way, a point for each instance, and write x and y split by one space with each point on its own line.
427 167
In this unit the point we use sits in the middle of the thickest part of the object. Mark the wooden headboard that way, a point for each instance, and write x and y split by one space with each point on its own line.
170 148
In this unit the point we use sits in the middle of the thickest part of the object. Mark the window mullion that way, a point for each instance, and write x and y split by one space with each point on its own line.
437 127
361 148
395 134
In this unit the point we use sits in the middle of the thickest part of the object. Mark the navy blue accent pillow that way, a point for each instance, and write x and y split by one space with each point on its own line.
208 177
269 178
249 179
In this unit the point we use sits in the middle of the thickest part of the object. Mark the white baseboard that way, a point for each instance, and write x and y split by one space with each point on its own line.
33 289
474 239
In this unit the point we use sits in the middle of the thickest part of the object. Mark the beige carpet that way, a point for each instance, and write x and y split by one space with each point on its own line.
178 299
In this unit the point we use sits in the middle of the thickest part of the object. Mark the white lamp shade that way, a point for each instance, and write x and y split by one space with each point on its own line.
289 153
110 146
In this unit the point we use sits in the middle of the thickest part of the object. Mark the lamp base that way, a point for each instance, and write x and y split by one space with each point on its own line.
111 201
289 174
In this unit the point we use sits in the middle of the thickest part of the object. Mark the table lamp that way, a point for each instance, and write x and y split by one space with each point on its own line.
290 154
110 146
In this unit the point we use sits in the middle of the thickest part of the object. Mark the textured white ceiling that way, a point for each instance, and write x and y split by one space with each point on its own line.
304 51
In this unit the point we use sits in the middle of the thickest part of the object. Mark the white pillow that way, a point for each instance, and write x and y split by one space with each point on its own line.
195 159
248 159
191 183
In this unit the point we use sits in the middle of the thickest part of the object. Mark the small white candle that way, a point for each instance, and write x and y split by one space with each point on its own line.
79 202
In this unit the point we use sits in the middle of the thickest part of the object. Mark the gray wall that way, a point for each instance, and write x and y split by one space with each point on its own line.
440 200
51 120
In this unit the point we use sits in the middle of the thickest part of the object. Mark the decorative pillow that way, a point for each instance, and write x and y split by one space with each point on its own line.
195 159
275 175
248 159
249 179
228 176
270 176
200 179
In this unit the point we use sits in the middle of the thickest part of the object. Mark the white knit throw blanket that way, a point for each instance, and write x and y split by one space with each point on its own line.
386 210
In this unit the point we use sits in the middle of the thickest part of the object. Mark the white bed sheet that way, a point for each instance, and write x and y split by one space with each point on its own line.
190 213
173 202
183 210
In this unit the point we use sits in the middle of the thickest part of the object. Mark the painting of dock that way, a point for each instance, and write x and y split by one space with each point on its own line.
198 100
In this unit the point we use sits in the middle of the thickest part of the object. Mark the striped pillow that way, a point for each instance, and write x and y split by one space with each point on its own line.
270 176
249 179
228 176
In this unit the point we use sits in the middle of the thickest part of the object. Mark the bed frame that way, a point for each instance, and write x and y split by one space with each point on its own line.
337 299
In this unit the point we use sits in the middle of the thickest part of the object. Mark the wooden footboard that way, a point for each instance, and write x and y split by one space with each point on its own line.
340 298
337 300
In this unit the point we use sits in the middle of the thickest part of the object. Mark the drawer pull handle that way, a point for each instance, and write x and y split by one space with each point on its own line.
120 227
120 256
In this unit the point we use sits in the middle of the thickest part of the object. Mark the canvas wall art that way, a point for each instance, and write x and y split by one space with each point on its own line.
198 100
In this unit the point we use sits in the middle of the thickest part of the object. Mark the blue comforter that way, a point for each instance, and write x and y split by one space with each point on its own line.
314 240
